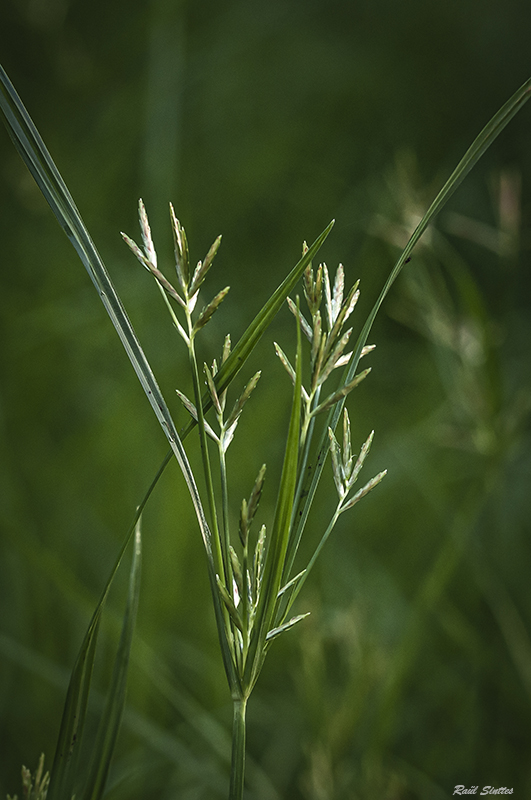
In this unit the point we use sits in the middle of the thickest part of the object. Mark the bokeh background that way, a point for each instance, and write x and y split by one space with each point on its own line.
262 121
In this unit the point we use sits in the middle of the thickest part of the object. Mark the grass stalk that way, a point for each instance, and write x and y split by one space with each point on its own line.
313 559
225 540
206 465
307 437
238 749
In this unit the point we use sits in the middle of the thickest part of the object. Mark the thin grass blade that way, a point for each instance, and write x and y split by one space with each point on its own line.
31 147
480 144
64 769
110 721
478 147
70 733
38 160
278 544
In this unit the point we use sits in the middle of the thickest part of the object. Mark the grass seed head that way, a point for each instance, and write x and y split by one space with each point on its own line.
210 309
305 326
149 247
335 397
365 490
181 251
240 403
272 634
212 389
203 267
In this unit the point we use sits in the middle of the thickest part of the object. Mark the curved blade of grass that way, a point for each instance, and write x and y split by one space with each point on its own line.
478 147
278 543
38 160
110 721
64 769
70 733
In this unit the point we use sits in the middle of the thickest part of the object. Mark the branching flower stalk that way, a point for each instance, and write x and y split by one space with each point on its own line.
255 585
327 354
187 302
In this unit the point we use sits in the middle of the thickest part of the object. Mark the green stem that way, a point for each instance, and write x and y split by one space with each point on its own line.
220 564
225 551
311 563
297 530
225 541
206 463
237 774
245 602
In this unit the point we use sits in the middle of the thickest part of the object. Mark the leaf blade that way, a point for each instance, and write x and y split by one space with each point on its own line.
279 540
31 147
110 721
478 147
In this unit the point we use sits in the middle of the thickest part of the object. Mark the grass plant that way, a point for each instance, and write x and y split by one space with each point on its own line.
255 573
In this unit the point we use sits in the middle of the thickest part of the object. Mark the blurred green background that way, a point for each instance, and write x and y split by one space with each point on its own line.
262 121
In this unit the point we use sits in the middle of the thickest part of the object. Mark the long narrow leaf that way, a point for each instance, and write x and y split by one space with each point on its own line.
70 733
480 144
110 722
64 769
38 160
478 147
278 545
